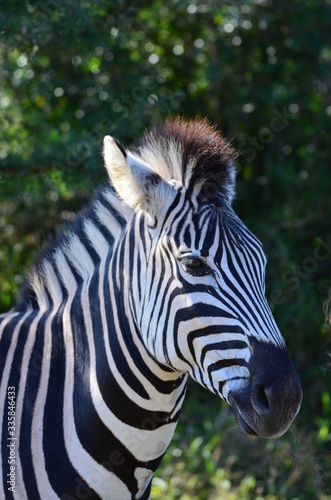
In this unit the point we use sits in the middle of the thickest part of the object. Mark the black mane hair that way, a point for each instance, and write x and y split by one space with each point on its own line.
207 159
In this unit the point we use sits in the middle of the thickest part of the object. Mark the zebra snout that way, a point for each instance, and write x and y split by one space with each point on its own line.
276 404
267 412
272 397
261 399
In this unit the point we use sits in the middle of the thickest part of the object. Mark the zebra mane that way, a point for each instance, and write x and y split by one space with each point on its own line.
192 152
96 228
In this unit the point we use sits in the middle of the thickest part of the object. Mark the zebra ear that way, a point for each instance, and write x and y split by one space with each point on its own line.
136 184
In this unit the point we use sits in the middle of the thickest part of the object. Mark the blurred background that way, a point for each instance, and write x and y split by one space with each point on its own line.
72 72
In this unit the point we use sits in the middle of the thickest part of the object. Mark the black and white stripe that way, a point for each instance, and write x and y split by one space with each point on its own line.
150 284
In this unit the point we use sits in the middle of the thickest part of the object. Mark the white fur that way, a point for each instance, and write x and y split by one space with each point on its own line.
133 181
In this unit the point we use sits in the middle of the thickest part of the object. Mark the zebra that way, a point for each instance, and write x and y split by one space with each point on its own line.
157 279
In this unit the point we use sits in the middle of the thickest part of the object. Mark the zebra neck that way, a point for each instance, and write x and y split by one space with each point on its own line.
155 387
83 244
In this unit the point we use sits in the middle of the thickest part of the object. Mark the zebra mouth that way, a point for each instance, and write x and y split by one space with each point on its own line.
243 424
240 419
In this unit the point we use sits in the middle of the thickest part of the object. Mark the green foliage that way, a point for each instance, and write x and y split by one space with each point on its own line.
72 72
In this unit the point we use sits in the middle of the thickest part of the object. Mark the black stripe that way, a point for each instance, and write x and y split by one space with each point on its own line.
31 390
117 215
63 478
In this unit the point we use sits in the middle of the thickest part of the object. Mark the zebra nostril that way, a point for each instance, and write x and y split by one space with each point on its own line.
260 399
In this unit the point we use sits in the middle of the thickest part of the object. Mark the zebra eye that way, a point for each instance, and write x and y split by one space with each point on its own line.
193 264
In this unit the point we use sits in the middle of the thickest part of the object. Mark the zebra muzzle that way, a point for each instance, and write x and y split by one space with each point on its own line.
271 399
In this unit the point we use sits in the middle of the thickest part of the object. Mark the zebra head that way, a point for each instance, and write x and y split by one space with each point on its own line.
196 290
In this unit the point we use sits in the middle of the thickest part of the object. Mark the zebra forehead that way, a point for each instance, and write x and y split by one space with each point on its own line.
191 152
201 226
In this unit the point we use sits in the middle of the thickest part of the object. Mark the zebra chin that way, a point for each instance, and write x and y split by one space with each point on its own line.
271 399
